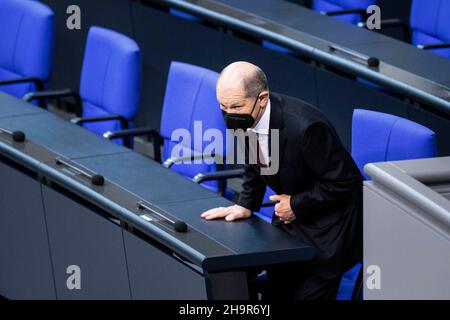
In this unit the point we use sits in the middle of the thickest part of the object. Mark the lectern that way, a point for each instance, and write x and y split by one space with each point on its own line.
407 230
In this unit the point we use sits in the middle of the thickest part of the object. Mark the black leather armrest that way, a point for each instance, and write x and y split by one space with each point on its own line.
57 94
171 161
434 46
39 83
392 23
123 123
218 175
387 23
150 133
122 119
361 12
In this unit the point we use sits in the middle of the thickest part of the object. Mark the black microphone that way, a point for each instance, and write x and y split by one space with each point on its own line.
97 179
373 62
18 136
180 226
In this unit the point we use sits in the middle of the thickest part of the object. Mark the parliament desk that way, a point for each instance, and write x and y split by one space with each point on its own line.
71 198
403 68
407 230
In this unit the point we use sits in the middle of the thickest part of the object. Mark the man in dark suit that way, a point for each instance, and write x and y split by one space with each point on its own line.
318 186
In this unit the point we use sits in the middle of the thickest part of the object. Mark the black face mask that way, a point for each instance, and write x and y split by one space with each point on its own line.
239 120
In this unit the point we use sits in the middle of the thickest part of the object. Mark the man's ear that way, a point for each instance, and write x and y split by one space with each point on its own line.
264 98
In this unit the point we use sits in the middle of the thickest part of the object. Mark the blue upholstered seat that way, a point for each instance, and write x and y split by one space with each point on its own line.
328 6
378 137
430 24
26 46
338 5
110 79
190 98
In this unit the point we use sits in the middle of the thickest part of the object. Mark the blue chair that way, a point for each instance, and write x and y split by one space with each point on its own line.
26 47
195 88
110 83
190 99
350 11
378 137
429 27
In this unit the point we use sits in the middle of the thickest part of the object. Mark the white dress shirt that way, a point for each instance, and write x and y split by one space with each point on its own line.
262 131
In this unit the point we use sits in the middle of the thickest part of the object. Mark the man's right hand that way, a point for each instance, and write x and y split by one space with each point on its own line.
229 213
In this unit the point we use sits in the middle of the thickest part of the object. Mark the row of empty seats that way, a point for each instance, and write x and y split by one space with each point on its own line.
428 28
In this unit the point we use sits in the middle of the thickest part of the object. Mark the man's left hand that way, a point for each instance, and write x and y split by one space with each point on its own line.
283 208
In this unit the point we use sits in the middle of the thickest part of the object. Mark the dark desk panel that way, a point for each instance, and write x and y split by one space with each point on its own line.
155 274
11 106
80 235
25 266
61 136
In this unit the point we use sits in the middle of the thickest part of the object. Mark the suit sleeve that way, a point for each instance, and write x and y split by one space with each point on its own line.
253 191
334 170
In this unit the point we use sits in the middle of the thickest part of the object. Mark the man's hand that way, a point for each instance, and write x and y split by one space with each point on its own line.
229 213
283 208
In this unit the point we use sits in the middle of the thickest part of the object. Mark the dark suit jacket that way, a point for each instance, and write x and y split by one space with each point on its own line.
324 183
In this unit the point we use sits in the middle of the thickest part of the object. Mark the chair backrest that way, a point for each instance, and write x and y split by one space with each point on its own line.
190 98
378 137
110 78
430 24
335 5
26 45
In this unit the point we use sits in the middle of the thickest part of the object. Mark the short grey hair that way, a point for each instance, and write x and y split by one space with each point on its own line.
255 83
